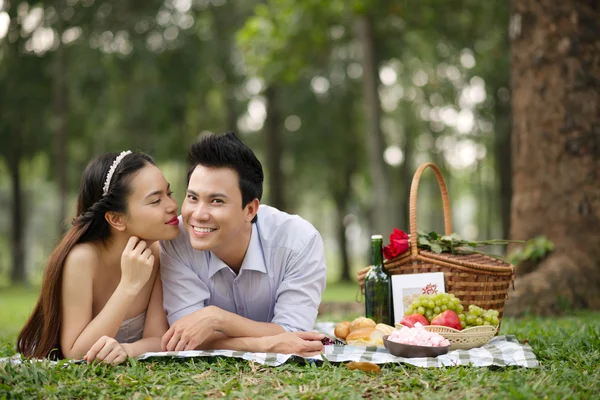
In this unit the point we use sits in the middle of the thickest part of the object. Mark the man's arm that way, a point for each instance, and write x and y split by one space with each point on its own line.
183 290
212 323
299 294
301 343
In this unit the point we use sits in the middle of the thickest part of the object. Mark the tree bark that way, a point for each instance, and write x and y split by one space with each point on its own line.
18 273
274 150
383 214
556 151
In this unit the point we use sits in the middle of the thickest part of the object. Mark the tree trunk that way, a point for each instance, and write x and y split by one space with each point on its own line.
60 128
408 168
503 161
18 273
274 150
342 242
340 182
556 151
383 215
341 195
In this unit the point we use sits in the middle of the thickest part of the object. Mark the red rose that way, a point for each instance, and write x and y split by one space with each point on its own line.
387 253
398 244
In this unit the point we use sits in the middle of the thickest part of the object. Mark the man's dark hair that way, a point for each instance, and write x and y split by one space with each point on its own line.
227 151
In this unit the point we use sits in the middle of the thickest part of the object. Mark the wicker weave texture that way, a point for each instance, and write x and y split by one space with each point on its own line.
468 338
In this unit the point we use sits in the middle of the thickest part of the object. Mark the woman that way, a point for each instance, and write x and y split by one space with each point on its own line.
101 295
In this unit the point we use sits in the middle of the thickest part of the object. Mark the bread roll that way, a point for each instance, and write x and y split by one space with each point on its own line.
360 337
342 329
369 336
386 329
361 323
377 336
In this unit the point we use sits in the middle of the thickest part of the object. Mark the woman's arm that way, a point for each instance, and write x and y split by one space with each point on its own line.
156 319
79 332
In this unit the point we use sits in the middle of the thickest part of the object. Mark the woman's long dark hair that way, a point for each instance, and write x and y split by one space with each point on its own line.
40 336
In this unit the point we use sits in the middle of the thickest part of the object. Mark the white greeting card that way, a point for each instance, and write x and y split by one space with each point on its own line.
406 289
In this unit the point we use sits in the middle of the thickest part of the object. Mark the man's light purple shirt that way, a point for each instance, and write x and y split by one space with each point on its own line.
281 280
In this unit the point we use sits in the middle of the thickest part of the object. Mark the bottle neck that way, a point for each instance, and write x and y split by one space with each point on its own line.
376 254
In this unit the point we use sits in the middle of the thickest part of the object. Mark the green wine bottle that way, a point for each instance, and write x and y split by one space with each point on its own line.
378 287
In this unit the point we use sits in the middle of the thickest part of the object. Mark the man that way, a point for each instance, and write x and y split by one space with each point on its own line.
241 275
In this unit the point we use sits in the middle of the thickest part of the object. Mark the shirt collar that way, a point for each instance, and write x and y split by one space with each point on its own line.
254 259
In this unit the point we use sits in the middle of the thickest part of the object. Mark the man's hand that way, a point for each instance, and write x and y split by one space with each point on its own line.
190 331
304 344
361 277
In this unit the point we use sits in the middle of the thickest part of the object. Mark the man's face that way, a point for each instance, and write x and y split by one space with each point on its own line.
212 210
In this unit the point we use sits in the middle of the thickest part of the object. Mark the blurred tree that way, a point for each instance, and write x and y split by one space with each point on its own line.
61 114
274 148
23 132
555 50
382 212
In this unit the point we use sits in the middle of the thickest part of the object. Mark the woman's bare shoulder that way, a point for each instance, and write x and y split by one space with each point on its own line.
81 261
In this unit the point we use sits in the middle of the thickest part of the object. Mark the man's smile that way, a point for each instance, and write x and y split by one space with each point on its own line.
202 231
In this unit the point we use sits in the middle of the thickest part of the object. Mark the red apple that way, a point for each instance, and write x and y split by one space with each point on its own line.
448 318
410 320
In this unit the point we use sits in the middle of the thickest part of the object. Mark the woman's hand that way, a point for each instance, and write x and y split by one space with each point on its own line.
108 351
137 262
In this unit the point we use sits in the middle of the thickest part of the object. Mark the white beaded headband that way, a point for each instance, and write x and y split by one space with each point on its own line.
112 169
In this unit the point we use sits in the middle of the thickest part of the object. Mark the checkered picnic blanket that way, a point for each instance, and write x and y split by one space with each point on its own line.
501 351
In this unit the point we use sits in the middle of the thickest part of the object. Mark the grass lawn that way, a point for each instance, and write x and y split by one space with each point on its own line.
568 348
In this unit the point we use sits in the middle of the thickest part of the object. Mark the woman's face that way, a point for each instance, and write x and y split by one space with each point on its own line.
152 212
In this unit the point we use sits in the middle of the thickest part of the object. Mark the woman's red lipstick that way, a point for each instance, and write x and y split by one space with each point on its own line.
173 221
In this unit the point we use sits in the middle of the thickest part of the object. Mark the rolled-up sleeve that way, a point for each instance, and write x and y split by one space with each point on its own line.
300 292
183 290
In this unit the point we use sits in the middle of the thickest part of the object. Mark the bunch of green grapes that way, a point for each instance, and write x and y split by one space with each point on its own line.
477 316
431 305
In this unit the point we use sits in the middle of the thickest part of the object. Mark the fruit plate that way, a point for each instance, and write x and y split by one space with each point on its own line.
410 351
468 338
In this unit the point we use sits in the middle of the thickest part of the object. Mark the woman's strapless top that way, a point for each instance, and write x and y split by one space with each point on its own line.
131 329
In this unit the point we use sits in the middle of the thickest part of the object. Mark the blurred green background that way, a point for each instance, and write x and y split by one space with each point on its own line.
311 86
341 100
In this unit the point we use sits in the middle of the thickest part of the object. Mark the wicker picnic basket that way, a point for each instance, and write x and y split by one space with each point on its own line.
466 339
474 278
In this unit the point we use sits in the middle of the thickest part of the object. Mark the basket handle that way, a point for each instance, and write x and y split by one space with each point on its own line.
413 204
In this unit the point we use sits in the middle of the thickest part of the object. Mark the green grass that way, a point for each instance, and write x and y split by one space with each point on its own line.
568 348
16 305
